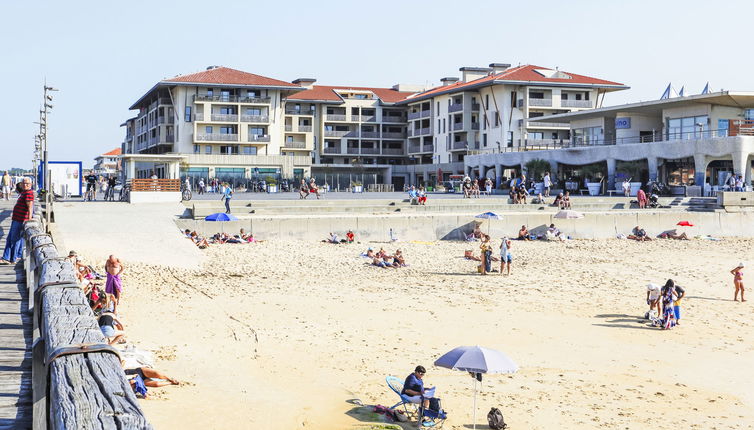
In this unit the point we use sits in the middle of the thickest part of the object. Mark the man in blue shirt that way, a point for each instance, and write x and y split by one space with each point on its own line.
227 195
413 195
413 387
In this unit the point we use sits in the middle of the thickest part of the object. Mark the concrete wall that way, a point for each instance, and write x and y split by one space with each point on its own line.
154 197
594 225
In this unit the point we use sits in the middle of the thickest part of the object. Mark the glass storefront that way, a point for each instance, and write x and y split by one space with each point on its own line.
692 127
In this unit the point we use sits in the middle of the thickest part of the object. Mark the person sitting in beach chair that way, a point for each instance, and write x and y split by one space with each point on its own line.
413 387
639 234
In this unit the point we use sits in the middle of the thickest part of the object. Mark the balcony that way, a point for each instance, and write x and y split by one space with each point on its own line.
392 151
298 112
198 117
540 102
352 151
458 126
335 117
475 126
164 101
417 115
413 149
576 103
370 134
368 118
421 131
371 151
545 124
224 117
341 133
258 138
264 119
295 145
475 107
332 150
455 107
461 144
254 100
170 138
218 137
393 135
288 127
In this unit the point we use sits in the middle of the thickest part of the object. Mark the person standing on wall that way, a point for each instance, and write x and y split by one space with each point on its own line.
227 195
5 185
22 211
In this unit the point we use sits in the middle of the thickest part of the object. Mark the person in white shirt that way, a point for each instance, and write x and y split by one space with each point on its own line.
653 299
547 184
626 188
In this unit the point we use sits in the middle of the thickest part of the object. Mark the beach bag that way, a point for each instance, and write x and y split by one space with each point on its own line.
495 419
434 404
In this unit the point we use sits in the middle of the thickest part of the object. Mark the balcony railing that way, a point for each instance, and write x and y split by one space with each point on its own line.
335 117
368 118
198 117
255 118
370 150
462 144
475 126
458 126
224 117
170 138
297 145
392 151
540 102
418 114
335 150
391 118
536 124
576 103
288 127
421 131
352 151
230 99
305 128
420 148
298 112
370 134
475 107
164 101
341 133
455 107
393 135
220 137
258 138
161 120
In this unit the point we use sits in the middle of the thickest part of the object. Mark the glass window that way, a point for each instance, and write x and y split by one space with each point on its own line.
253 111
208 149
259 131
226 130
252 94
674 129
210 92
187 116
208 129
250 150
197 149
225 95
535 135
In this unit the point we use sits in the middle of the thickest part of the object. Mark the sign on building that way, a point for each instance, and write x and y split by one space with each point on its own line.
624 122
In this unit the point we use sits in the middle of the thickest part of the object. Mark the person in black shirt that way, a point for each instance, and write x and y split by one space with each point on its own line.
91 184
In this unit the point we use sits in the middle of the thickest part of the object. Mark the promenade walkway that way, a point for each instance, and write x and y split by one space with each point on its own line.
15 339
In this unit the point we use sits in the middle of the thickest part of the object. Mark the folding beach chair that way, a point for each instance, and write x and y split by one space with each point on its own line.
396 385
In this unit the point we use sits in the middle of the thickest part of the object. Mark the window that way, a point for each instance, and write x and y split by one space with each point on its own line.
537 95
250 150
438 106
252 94
578 96
438 123
487 101
497 119
197 149
227 110
226 130
687 128
484 140
225 95
187 115
208 149
587 136
210 92
586 96
256 131
443 125
253 111
536 135
510 139
360 96
564 96
208 129
289 139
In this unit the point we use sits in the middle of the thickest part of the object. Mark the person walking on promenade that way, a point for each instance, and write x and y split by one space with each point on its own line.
227 195
738 281
22 211
547 184
201 186
5 185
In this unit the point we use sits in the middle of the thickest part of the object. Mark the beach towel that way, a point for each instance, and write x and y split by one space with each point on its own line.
113 284
139 388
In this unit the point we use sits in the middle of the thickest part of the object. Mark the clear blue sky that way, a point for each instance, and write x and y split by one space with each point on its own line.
104 55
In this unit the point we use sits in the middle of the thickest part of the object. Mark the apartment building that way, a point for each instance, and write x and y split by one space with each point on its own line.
236 125
355 134
223 122
488 110
108 163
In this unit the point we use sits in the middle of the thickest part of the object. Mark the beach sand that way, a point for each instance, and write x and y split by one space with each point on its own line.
279 335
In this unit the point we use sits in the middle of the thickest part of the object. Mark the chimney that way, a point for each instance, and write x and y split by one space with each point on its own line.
307 83
471 73
409 88
212 67
499 67
448 81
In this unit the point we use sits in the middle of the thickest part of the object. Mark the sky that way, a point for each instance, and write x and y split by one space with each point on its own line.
103 56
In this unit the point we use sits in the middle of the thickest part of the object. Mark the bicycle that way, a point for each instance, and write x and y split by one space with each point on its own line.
90 194
125 193
185 193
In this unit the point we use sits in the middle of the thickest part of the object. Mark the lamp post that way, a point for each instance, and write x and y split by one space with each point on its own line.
46 106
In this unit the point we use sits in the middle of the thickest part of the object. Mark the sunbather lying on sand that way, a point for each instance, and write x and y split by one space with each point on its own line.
639 234
673 234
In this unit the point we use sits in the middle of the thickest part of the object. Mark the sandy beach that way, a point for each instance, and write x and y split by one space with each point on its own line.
280 335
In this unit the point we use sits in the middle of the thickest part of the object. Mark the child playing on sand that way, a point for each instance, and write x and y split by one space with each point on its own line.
738 281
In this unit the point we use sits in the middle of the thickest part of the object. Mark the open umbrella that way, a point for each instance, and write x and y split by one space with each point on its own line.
569 214
489 215
685 224
220 216
477 360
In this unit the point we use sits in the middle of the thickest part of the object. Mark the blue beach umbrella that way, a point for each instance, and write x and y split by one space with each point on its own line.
489 215
220 217
477 360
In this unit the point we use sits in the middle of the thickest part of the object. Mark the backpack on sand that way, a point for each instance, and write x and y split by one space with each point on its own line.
495 419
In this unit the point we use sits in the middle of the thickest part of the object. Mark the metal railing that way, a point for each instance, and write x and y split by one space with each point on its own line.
170 138
576 103
335 150
461 144
392 151
164 101
295 144
335 117
458 126
455 107
224 117
393 135
198 117
396 118
475 107
418 114
367 118
220 137
421 131
540 102
352 150
373 151
475 126
341 133
298 112
230 99
305 128
535 124
258 138
255 118
288 127
370 134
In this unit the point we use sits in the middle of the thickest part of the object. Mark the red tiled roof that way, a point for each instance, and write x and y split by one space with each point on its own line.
228 76
115 151
327 92
525 73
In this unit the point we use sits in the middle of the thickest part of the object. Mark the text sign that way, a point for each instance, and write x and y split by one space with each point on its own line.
624 122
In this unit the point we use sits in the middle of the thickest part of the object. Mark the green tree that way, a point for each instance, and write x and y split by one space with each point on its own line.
536 168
